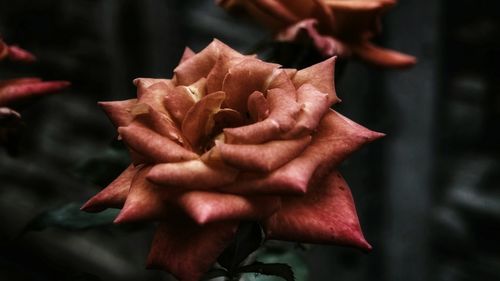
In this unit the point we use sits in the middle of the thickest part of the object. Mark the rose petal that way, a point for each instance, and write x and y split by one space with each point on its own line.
227 118
280 79
314 106
19 89
193 174
357 20
187 54
257 106
258 132
8 113
264 157
119 111
224 62
243 79
383 57
114 195
326 214
326 45
188 250
144 83
320 76
279 10
283 110
153 146
145 201
178 101
209 207
152 92
199 121
200 65
18 54
161 124
336 138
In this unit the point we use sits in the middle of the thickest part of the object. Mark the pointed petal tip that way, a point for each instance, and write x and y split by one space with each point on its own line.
127 215
377 135
123 217
91 206
360 242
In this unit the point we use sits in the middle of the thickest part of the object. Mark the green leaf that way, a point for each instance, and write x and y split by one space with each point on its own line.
70 217
249 238
103 168
282 253
281 270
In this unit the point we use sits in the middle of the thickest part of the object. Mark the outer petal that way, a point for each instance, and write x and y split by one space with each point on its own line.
119 111
208 207
18 89
19 54
193 174
114 195
336 138
382 57
264 157
188 250
187 54
326 214
152 146
152 92
320 76
146 202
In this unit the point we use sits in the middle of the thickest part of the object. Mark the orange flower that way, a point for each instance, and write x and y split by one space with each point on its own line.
232 138
16 90
336 27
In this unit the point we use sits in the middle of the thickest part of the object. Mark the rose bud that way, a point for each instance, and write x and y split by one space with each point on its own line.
232 138
335 27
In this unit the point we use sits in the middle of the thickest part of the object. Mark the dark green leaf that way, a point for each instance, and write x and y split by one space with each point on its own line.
280 252
104 167
248 239
214 273
274 269
70 217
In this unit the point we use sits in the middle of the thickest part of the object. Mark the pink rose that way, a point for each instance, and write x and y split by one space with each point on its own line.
336 27
16 90
232 138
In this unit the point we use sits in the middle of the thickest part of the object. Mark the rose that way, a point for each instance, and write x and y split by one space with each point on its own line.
15 90
233 138
336 27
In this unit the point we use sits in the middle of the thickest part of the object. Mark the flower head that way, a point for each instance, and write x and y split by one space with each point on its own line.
336 27
14 91
231 138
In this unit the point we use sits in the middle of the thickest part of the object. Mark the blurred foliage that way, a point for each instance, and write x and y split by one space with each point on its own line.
70 217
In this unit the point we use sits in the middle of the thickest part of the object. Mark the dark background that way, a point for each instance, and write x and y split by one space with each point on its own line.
428 194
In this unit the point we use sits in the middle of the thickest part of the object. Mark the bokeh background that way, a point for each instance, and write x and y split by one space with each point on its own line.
428 194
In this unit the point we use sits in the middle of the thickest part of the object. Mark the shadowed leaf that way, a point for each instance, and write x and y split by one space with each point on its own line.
70 217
